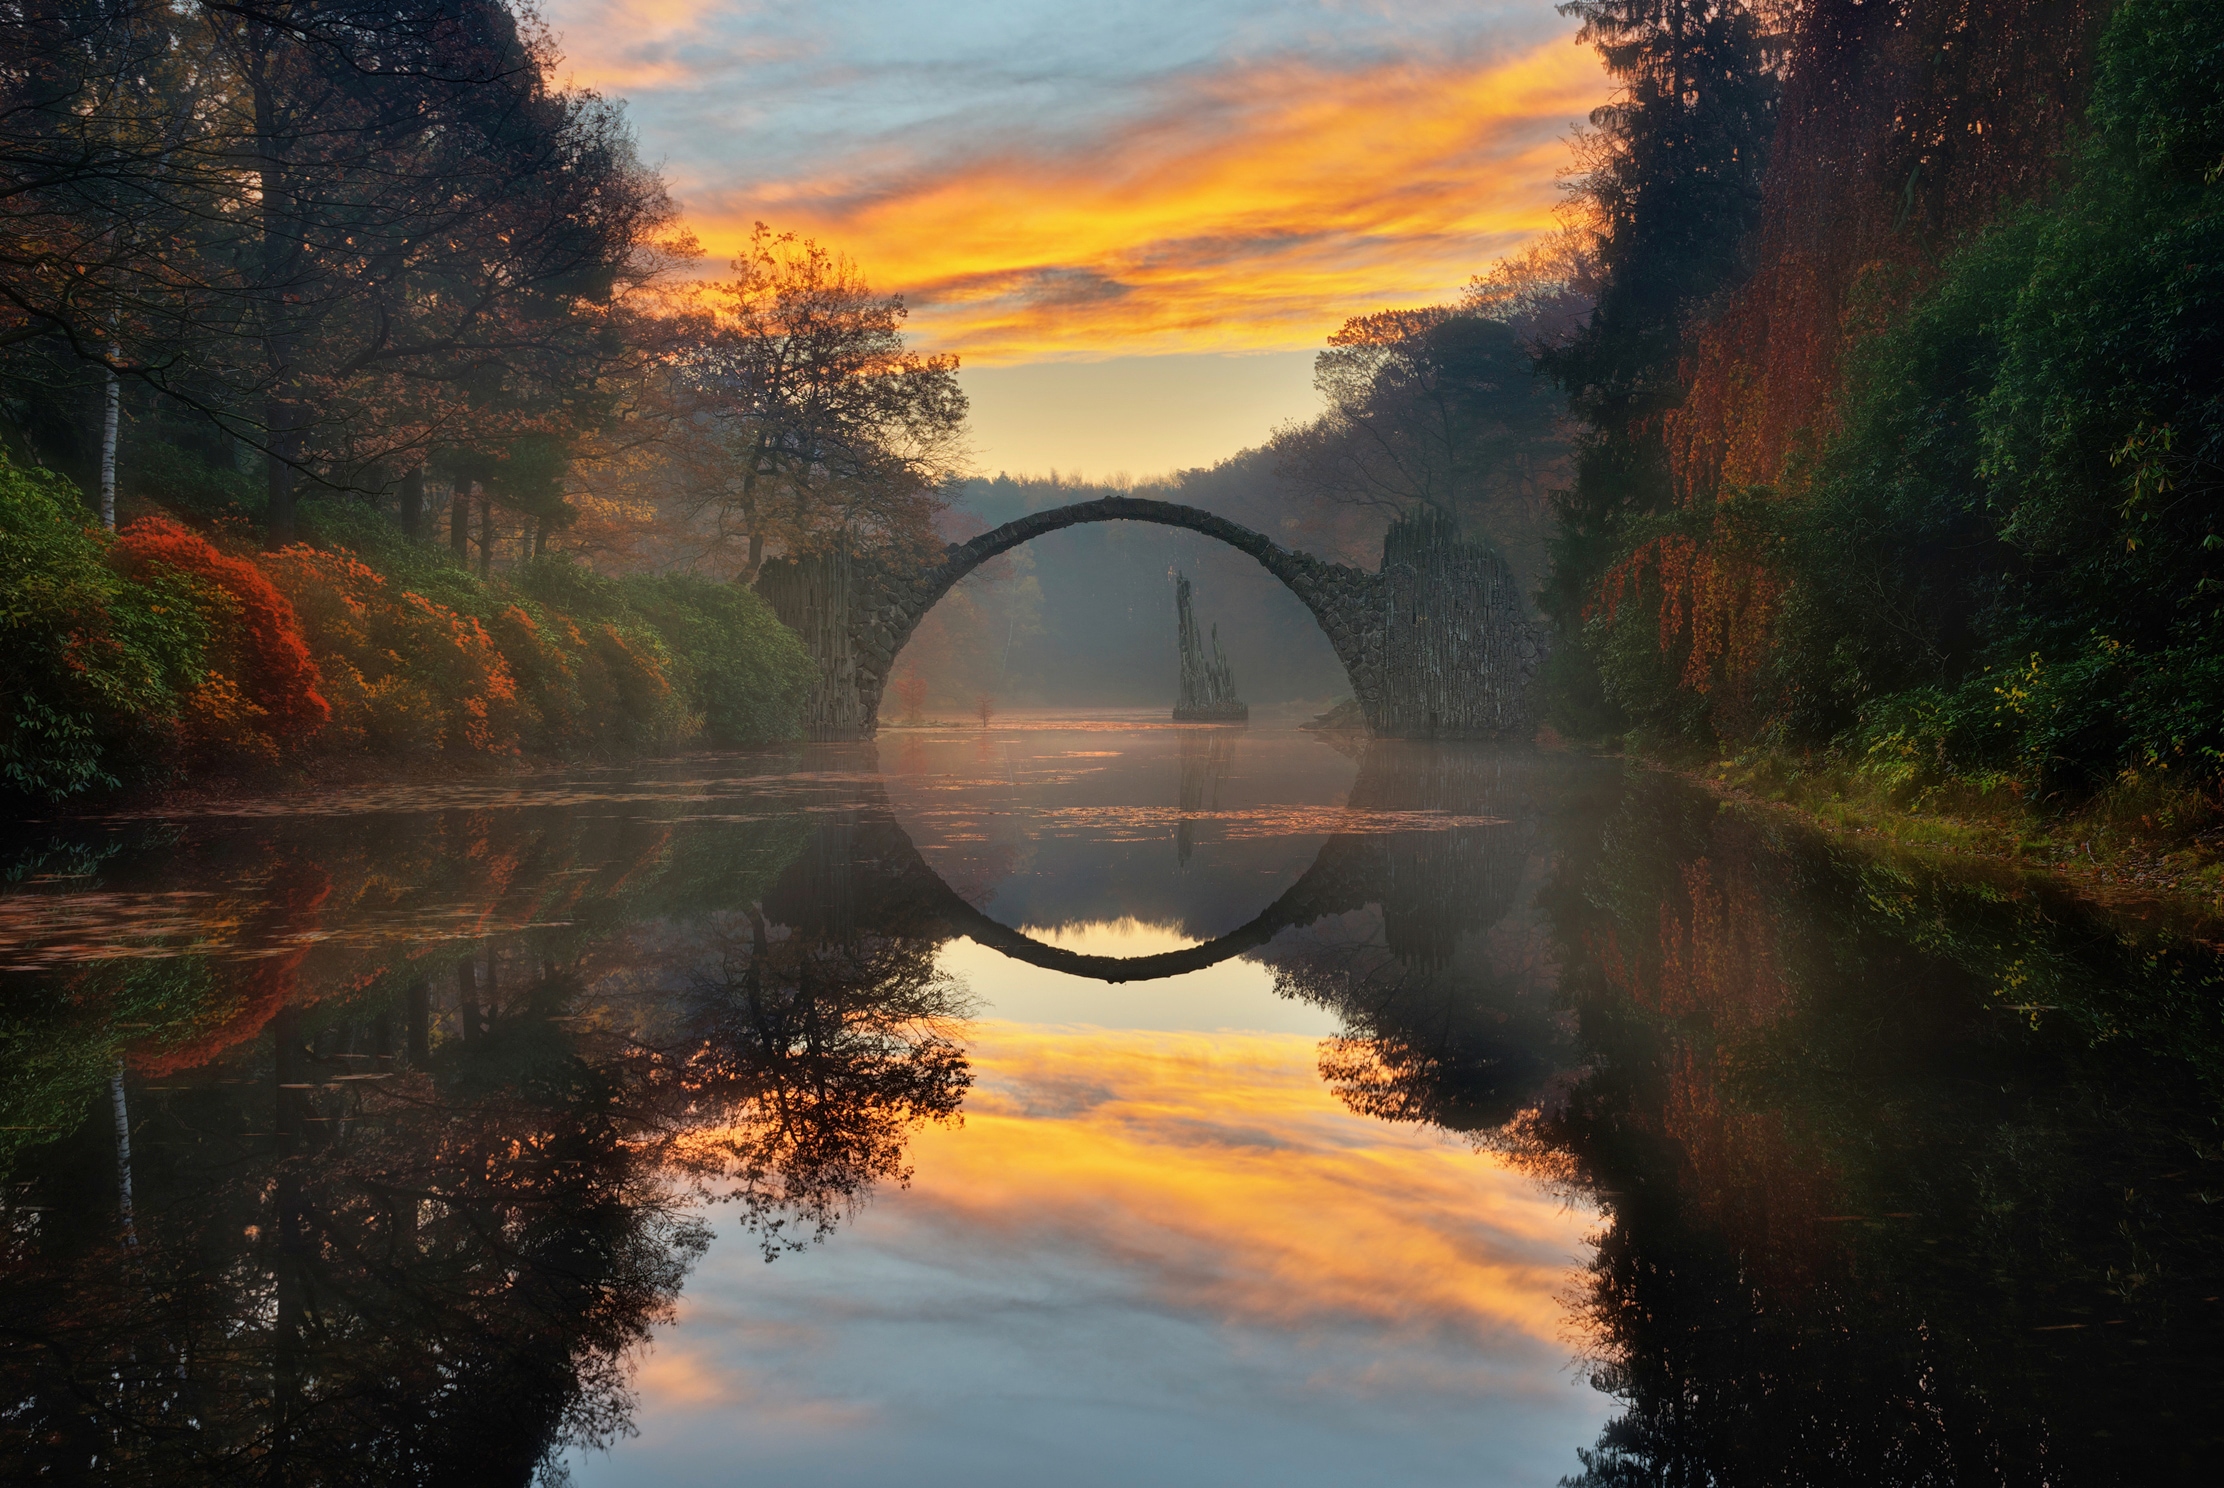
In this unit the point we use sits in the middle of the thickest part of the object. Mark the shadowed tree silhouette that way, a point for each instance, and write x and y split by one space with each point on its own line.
809 1064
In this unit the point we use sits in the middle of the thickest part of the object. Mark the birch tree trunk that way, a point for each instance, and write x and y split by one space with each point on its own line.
112 407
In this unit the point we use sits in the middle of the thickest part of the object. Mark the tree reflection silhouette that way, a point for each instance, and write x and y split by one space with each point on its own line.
810 1063
1434 967
411 1226
1904 1177
348 1268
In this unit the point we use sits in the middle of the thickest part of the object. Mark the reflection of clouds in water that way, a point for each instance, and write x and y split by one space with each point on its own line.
690 1380
1259 1193
1126 936
1184 1225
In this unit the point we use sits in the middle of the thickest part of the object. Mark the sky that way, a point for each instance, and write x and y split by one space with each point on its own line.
1158 1250
1133 220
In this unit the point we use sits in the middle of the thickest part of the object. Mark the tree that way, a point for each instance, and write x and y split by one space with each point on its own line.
911 692
345 231
836 434
437 229
1435 409
1670 190
1426 408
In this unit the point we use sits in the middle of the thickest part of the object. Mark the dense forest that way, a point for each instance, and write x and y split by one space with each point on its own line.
1900 418
1861 423
361 395
1885 443
287 289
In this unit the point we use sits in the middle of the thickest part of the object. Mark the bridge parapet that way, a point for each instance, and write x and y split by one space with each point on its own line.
1437 643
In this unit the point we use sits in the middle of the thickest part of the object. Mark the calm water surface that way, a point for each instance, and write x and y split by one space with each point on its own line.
1089 1104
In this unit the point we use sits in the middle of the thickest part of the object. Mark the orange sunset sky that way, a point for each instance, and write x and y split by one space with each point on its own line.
1134 220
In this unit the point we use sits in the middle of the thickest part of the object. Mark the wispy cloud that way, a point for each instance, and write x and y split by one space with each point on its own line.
1217 1172
1173 1257
1237 178
1250 211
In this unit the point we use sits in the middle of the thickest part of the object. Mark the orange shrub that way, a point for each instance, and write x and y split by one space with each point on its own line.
407 675
263 690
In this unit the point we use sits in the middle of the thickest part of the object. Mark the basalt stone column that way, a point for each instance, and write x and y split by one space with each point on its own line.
813 596
1459 657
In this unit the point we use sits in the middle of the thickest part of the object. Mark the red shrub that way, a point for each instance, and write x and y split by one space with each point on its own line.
268 654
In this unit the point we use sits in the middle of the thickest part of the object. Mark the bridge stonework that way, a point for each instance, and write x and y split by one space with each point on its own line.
1437 644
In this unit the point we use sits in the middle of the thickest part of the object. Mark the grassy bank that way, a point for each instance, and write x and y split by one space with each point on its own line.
2144 841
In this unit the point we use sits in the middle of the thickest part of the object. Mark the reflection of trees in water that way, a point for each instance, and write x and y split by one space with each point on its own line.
410 1226
1901 1182
1903 1179
1435 967
347 1265
810 1063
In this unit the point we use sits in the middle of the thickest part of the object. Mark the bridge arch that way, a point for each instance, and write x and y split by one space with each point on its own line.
1436 644
864 873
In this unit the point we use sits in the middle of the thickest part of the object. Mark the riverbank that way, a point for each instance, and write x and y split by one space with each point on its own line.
2143 845
166 654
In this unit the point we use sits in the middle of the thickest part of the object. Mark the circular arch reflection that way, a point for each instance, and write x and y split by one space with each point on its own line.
1419 840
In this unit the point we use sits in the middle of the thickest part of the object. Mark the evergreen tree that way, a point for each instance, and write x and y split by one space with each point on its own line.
1672 188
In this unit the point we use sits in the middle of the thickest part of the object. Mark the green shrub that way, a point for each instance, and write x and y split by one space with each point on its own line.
93 666
747 672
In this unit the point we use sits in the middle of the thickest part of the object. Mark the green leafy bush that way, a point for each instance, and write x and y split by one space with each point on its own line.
94 667
746 672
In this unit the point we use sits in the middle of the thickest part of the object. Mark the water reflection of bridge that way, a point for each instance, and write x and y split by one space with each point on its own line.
1437 839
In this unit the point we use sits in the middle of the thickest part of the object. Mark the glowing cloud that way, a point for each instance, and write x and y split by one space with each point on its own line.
1249 211
1046 181
1219 1172
1145 1245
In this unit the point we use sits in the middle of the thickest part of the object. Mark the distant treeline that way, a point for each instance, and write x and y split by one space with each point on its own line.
1085 617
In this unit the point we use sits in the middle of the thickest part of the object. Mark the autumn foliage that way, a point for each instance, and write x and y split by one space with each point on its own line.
1902 130
159 650
1715 605
1929 486
261 692
408 676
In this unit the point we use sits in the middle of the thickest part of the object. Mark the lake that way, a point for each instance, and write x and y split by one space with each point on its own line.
1091 1103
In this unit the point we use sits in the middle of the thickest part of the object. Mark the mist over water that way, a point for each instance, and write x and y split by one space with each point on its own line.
1113 1100
1082 621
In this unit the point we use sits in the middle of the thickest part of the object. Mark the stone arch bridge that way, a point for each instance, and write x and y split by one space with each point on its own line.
1436 643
